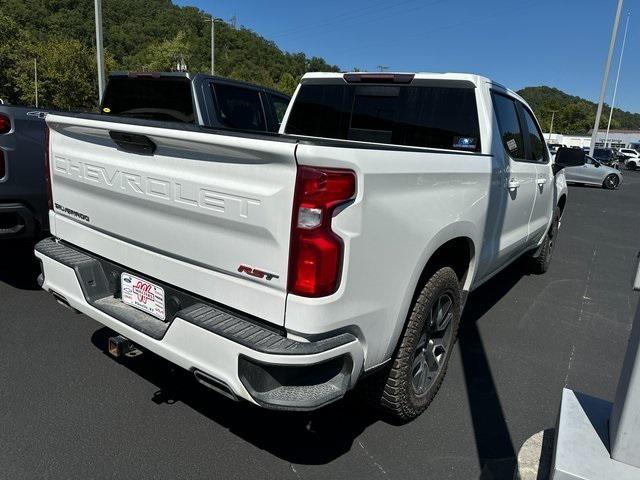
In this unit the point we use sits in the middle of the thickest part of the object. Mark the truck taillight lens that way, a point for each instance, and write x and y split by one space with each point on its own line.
315 263
47 167
5 124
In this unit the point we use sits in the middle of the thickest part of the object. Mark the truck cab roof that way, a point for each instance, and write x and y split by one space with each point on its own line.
388 77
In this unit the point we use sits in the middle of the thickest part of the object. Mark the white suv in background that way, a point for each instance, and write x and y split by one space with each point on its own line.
632 158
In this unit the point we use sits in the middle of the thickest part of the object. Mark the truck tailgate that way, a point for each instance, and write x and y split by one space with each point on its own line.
205 202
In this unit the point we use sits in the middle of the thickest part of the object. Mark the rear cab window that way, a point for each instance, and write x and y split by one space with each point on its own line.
440 115
149 97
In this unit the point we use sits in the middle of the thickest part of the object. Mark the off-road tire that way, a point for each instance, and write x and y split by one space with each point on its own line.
540 264
391 389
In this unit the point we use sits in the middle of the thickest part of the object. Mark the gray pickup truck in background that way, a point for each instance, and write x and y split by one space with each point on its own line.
181 98
23 196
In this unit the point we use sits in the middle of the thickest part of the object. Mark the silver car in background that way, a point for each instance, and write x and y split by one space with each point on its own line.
594 173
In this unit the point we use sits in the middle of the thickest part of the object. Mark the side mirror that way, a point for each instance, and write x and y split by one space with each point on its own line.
568 157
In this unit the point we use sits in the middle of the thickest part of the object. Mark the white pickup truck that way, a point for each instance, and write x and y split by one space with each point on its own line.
281 269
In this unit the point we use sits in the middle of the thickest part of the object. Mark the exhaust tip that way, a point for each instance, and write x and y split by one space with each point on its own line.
214 384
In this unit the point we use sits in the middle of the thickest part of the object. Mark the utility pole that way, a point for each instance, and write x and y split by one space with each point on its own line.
615 89
213 45
35 77
553 116
99 49
605 77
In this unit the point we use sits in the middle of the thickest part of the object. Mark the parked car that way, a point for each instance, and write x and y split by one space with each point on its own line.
606 156
630 157
593 172
282 269
204 100
629 152
23 196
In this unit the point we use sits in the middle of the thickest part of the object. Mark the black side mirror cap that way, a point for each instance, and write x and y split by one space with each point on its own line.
568 157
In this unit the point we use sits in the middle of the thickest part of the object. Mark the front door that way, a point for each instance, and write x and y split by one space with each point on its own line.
543 197
509 219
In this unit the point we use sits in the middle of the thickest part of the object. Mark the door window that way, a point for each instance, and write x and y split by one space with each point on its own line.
239 108
537 151
279 107
509 124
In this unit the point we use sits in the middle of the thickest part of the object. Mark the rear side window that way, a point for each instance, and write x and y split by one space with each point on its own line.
279 107
510 129
165 99
239 108
421 116
538 151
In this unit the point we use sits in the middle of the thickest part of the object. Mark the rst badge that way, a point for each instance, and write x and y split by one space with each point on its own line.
254 272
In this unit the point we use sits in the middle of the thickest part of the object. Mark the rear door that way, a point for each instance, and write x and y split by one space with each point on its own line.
519 182
214 210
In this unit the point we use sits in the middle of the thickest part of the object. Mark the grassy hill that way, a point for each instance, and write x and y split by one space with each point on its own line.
138 35
574 115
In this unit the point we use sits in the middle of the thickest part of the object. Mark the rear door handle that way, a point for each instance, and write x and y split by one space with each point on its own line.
542 181
514 183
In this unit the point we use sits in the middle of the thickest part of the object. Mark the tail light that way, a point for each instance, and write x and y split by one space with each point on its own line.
315 263
47 167
5 124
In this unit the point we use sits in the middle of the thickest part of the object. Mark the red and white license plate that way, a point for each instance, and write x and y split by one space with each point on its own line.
143 295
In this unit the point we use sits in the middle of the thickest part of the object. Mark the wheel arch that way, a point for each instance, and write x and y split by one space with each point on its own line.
454 246
562 203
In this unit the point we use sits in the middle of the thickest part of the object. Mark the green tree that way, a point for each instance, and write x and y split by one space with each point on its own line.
138 34
162 55
287 83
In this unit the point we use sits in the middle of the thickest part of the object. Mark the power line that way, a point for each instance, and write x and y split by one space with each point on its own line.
404 38
357 14
615 89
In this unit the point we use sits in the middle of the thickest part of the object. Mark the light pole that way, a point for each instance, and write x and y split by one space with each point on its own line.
615 89
35 77
553 116
213 44
99 49
605 77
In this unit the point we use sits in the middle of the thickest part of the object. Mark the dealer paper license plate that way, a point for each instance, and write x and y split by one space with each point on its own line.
143 295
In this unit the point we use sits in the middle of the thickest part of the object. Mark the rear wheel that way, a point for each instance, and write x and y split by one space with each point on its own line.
632 165
407 387
540 264
611 182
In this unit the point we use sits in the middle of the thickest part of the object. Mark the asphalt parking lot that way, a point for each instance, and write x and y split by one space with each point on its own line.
68 410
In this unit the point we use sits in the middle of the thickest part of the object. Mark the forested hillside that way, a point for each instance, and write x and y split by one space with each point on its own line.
574 115
138 35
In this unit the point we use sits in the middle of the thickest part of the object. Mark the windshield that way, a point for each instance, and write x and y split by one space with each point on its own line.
152 98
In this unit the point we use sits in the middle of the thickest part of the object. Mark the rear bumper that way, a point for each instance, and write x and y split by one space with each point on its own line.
17 221
236 352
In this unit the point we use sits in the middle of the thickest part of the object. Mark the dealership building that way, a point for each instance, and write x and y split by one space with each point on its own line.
617 139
